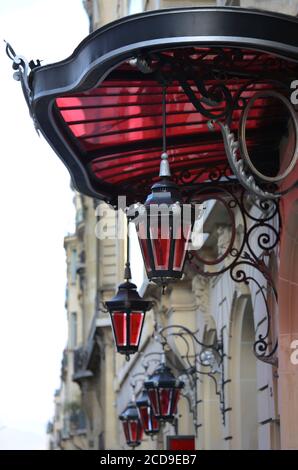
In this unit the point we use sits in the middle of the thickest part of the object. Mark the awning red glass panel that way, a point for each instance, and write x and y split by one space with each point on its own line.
101 109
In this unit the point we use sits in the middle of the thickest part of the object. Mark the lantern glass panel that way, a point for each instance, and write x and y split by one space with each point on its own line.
182 235
126 430
165 401
154 423
161 244
134 431
140 431
175 399
152 393
119 320
142 234
135 323
144 415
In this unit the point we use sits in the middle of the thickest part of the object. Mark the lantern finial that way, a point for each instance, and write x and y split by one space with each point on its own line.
127 271
164 170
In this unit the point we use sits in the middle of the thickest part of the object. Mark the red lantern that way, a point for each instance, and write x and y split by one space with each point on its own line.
164 393
132 426
164 230
149 422
127 310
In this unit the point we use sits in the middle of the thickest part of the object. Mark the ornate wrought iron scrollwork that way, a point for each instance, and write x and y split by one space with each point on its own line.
195 359
214 174
239 164
208 361
261 95
207 77
249 250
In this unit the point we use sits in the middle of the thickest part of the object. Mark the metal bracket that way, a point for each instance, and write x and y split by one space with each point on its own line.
237 165
251 249
21 74
196 363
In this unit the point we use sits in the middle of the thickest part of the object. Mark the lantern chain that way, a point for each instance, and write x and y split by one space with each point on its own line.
127 270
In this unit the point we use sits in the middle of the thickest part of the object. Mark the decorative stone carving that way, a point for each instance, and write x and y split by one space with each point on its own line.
200 287
224 234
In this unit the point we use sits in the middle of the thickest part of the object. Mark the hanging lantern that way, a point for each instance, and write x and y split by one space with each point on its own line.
149 422
164 224
164 230
127 310
132 426
163 392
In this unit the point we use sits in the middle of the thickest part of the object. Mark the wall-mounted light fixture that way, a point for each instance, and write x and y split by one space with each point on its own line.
209 361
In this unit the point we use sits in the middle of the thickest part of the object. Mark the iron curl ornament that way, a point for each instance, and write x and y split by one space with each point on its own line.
261 185
201 359
247 252
162 388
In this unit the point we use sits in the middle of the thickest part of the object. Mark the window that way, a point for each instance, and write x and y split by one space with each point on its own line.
73 330
73 266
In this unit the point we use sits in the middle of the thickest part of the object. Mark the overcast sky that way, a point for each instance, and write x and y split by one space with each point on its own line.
36 213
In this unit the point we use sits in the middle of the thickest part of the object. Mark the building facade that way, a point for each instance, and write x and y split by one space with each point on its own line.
245 403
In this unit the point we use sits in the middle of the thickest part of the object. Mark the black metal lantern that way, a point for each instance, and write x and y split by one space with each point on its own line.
164 393
127 310
164 224
164 231
149 421
132 426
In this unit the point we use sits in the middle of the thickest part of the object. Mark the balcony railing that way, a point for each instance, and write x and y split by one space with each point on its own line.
64 365
77 422
80 365
80 359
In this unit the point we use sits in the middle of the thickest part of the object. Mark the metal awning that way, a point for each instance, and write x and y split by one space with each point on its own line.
100 109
